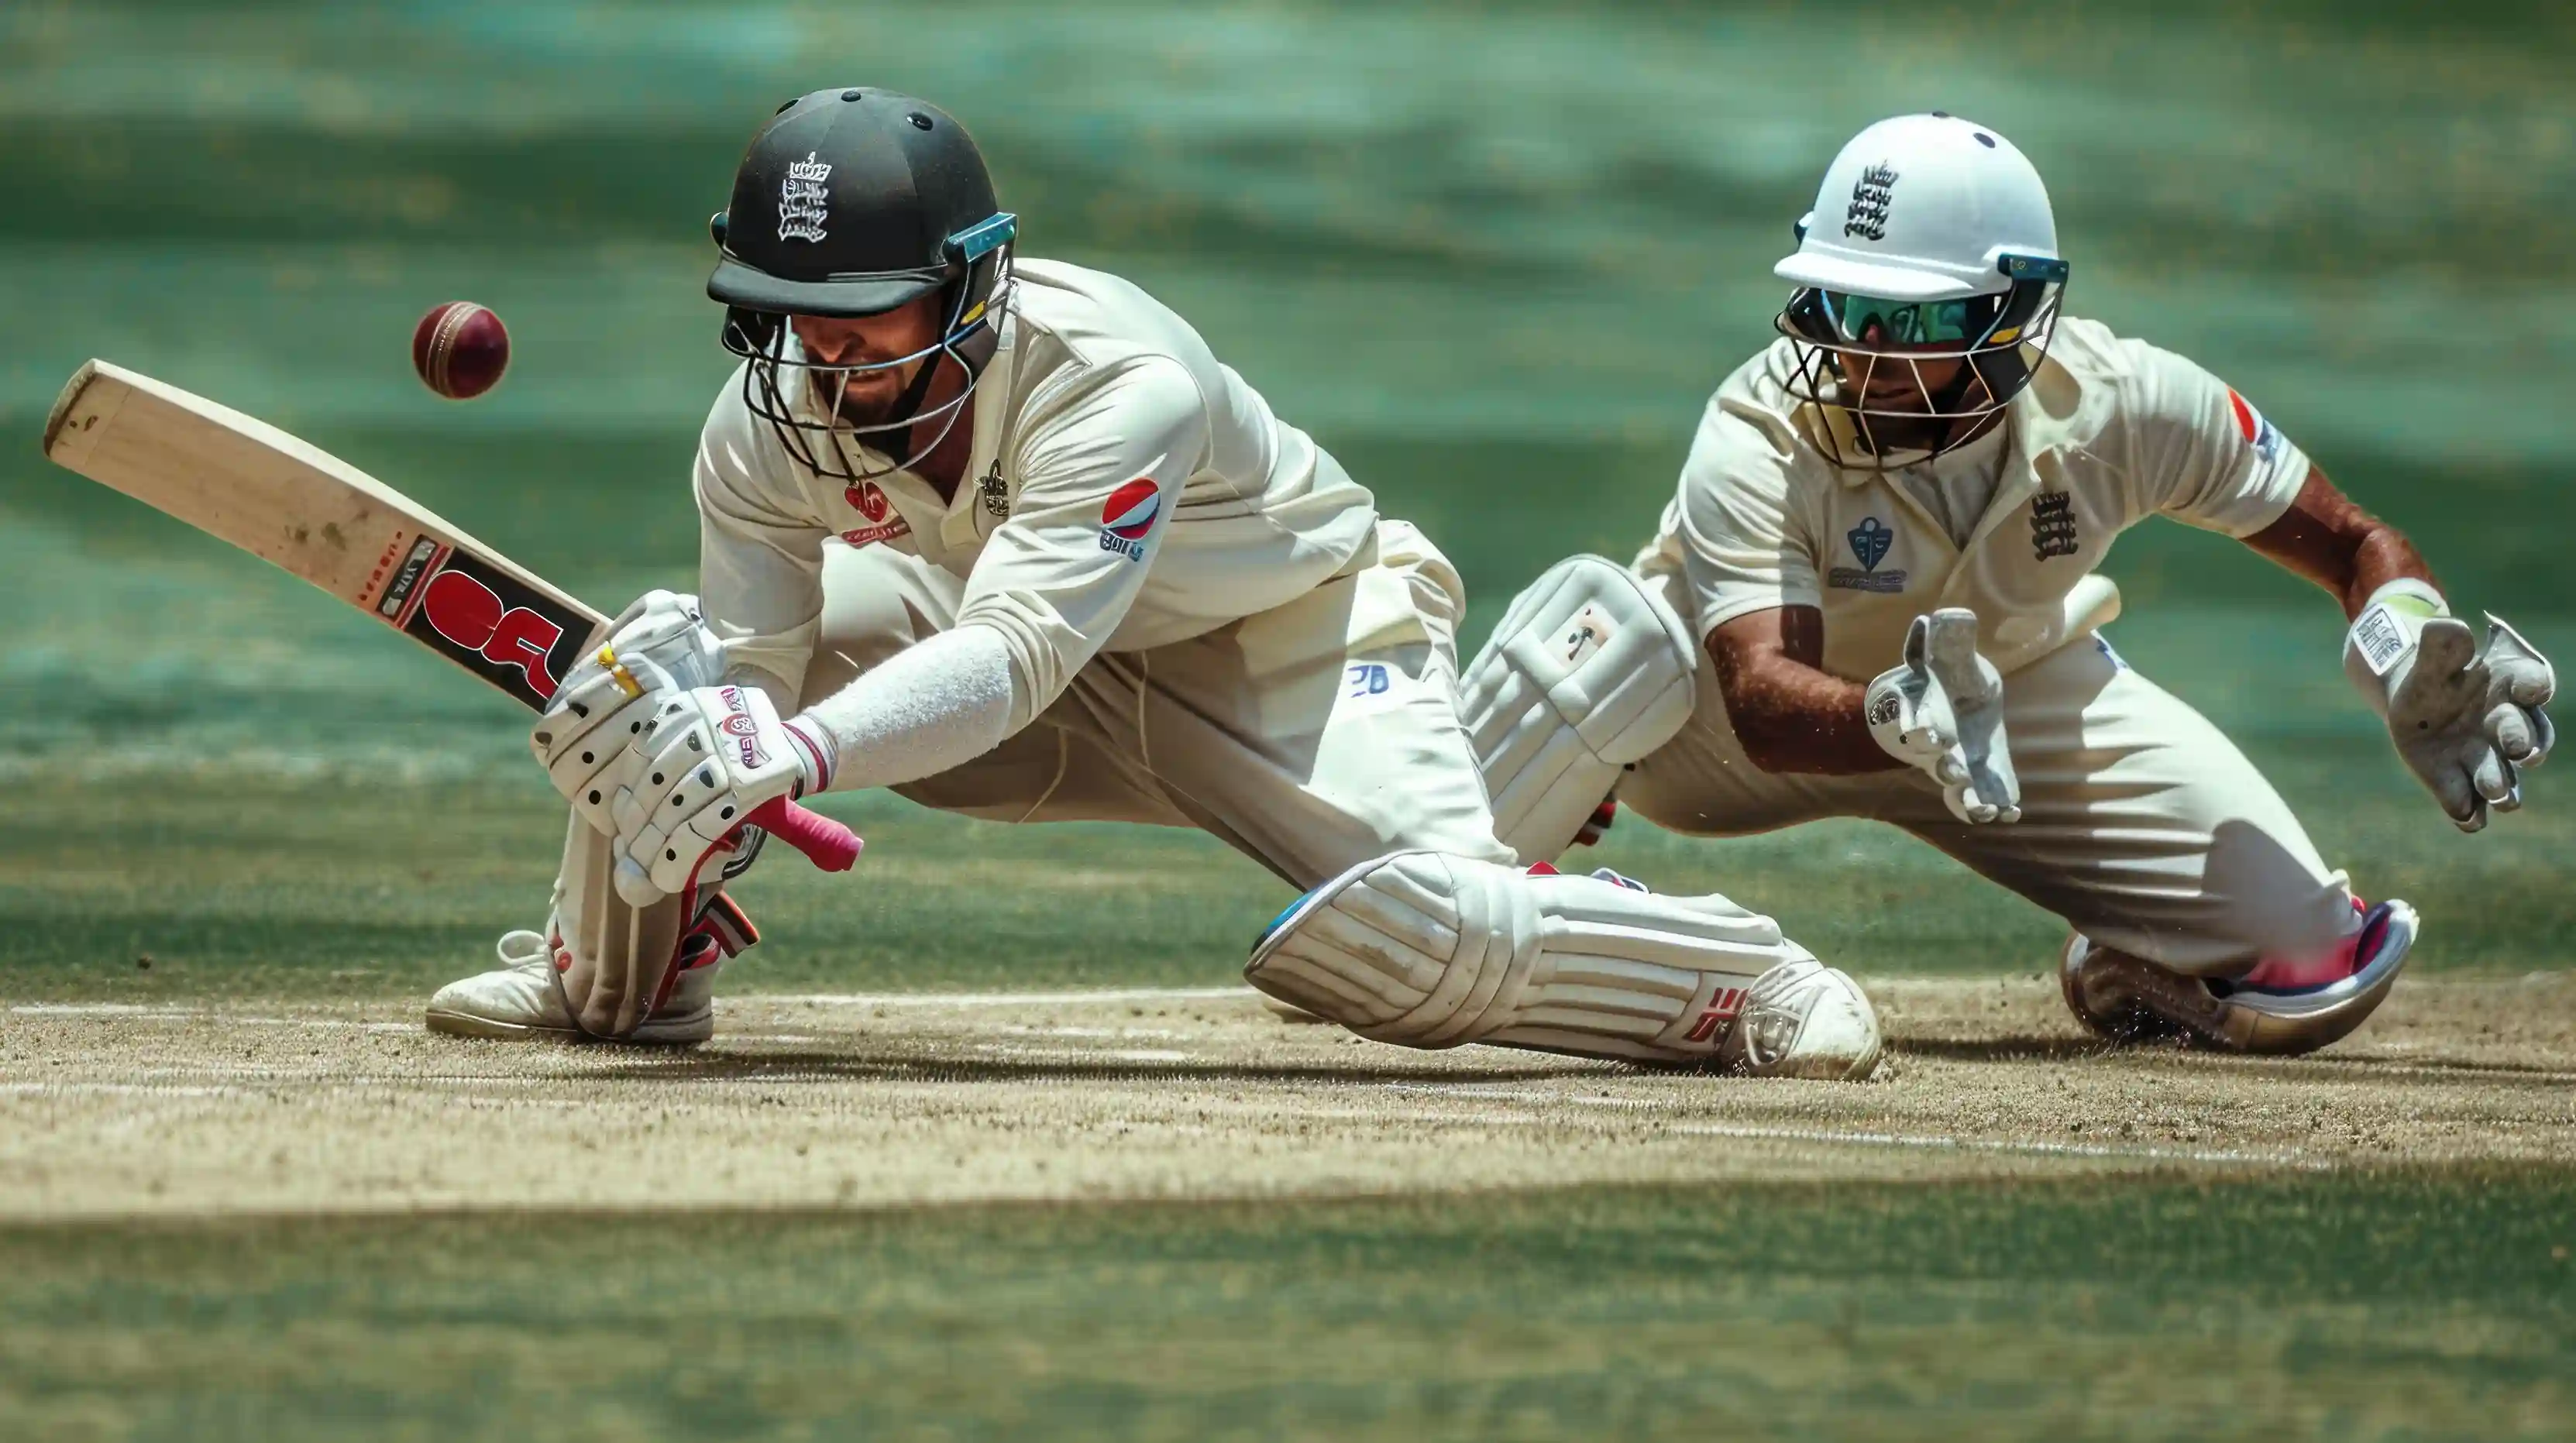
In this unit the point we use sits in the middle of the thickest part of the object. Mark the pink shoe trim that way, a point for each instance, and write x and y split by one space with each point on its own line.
2290 974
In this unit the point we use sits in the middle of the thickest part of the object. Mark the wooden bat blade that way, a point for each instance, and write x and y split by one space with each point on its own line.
291 503
287 501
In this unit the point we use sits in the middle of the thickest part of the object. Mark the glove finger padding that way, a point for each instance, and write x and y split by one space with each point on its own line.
2520 685
2438 712
706 760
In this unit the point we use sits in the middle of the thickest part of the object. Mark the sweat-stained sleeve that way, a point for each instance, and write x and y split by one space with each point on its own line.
1741 549
760 551
2201 453
1100 470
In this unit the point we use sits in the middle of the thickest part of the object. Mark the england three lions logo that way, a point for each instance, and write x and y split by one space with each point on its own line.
803 204
1127 518
1870 197
2052 525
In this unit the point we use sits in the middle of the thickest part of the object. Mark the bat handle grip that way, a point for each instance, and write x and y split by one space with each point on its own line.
828 844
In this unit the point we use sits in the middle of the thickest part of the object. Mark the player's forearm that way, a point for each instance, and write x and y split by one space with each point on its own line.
2332 541
1791 717
932 707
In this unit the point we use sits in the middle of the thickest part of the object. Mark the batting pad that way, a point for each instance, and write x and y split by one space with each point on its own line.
1428 950
615 961
1588 671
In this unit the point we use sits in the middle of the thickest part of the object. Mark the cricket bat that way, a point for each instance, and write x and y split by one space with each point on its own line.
242 480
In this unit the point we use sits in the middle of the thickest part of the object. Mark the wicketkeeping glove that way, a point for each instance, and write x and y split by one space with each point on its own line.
1943 711
2466 718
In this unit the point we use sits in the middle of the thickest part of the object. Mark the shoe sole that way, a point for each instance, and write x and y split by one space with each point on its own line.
685 1033
2199 1019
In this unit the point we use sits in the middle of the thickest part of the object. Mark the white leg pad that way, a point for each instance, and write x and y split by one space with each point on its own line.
1429 950
1589 671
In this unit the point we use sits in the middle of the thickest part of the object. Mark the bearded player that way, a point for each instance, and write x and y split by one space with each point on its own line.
1886 540
1001 535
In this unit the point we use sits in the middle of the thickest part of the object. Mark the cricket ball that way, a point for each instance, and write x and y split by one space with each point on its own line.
460 350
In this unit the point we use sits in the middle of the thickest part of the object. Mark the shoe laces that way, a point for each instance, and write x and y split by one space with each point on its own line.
521 950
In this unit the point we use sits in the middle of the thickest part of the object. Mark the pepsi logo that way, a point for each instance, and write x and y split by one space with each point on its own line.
2247 419
2260 433
1131 509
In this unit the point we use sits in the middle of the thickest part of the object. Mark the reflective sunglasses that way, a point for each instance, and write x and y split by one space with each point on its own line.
1908 323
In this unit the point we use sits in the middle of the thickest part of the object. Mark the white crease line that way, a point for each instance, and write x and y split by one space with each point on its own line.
1022 1030
1084 1054
999 999
100 1009
146 1089
1940 1141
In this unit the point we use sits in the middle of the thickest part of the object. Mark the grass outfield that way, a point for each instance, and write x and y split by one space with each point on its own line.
2355 1307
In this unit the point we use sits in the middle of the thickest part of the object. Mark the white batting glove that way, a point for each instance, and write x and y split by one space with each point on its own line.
1943 711
691 775
658 645
2466 719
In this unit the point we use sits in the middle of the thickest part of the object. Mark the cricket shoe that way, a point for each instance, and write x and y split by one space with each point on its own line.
2283 1007
1803 1019
520 999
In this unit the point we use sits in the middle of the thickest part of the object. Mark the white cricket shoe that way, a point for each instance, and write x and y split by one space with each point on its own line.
519 999
1803 1019
2283 1007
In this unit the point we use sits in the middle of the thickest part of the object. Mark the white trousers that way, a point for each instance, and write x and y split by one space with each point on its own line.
1310 737
2142 824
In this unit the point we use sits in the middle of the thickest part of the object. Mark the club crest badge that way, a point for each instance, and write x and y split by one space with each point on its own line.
871 502
803 204
1869 542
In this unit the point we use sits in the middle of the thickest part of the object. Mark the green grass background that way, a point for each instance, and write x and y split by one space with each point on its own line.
1494 256
2377 1307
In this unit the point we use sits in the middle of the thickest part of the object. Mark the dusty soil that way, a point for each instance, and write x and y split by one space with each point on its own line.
890 1100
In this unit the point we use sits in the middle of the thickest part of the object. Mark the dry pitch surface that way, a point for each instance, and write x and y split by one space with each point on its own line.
888 1100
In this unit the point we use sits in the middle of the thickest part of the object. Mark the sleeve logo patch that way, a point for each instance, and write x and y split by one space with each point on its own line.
1127 519
2260 434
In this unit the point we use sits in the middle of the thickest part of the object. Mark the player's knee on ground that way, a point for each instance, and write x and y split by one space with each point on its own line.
2254 898
1588 671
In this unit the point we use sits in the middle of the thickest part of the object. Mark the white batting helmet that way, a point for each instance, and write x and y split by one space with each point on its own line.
1931 240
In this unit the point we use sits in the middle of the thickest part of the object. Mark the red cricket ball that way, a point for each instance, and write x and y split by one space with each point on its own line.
460 350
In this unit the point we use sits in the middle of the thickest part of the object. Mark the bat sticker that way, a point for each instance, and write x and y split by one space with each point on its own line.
488 623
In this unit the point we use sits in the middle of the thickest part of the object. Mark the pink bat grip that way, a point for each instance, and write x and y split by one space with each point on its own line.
826 843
